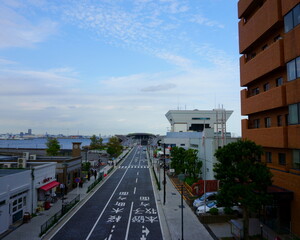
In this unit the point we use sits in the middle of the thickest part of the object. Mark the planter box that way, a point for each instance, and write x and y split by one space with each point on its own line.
208 218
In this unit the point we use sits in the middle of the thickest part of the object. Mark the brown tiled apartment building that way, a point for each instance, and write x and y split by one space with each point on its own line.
269 41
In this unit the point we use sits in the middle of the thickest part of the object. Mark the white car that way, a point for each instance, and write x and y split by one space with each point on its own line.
200 201
213 204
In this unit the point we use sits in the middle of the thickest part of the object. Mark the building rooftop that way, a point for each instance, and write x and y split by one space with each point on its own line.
5 172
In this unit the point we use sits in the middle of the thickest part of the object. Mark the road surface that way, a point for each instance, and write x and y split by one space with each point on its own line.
124 207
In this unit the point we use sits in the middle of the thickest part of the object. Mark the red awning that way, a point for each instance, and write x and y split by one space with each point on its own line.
50 186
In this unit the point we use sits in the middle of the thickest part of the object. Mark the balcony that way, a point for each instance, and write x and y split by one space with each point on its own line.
265 62
274 98
243 6
291 49
294 136
292 91
264 19
287 5
275 137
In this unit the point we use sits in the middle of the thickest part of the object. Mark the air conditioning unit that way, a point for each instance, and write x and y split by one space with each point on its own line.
26 155
21 163
32 157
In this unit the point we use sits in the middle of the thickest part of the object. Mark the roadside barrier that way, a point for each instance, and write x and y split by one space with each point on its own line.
55 218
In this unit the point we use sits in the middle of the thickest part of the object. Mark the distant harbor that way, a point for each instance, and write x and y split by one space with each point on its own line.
40 143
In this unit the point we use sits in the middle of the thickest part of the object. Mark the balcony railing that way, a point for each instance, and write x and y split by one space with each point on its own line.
273 98
264 19
265 62
268 137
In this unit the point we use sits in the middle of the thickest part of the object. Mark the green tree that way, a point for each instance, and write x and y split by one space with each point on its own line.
53 147
244 180
191 163
96 143
114 147
177 163
185 161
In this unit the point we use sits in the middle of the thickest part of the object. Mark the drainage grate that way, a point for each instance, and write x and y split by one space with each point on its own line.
173 193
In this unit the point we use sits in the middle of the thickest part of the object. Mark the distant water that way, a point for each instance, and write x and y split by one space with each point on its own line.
40 143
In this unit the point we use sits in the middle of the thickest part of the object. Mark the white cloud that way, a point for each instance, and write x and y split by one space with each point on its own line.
18 31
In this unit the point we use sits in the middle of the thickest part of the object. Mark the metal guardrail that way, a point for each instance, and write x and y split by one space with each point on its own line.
54 219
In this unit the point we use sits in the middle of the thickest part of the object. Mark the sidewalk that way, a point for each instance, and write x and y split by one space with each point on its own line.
32 229
170 214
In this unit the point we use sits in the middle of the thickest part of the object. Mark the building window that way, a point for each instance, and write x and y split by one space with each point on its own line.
291 70
279 81
268 157
296 159
267 122
292 19
256 123
182 144
296 13
294 113
281 158
255 91
279 120
266 87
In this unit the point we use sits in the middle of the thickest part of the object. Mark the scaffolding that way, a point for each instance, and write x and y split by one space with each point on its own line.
220 126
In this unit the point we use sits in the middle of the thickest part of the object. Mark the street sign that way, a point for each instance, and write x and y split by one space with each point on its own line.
77 180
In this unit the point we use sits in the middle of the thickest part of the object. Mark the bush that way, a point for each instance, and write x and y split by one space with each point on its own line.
214 211
228 210
190 180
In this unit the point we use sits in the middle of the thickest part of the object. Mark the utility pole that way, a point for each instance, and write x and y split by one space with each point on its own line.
181 211
164 168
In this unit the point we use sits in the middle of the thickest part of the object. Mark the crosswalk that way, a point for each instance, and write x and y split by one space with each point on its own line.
133 166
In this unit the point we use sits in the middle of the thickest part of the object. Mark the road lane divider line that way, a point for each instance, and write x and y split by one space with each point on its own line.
134 190
129 221
98 219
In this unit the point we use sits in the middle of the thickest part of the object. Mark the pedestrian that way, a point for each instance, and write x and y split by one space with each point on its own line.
62 189
81 182
95 174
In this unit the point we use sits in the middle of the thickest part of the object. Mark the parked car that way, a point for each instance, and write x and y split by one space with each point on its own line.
213 204
206 197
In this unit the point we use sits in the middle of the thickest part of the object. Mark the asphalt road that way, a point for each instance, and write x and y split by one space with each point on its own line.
123 208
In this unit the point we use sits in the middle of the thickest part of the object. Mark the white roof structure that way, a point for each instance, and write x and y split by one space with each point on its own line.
194 120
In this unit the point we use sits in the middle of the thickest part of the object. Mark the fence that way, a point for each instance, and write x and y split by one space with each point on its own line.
54 219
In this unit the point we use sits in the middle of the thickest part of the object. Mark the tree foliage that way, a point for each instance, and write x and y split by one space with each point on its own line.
96 143
53 147
185 161
114 147
244 179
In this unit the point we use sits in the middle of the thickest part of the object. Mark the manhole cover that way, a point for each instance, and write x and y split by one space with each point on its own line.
173 193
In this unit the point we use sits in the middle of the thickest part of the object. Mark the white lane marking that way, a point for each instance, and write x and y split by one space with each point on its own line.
137 173
136 180
83 203
129 220
134 190
98 219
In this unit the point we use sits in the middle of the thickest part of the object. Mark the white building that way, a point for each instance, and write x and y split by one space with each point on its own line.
43 182
202 130
24 190
15 196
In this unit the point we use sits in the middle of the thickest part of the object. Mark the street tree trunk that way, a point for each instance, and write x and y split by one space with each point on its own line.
246 223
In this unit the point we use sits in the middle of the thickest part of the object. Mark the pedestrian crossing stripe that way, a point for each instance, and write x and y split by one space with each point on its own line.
133 166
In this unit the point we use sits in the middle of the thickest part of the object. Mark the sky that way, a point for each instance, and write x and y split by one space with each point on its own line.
115 66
